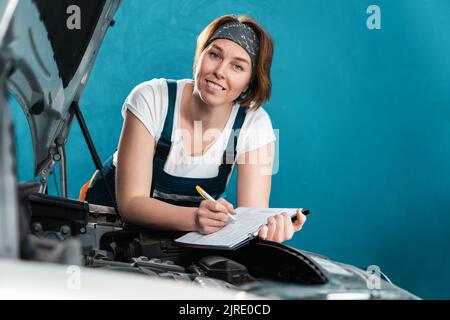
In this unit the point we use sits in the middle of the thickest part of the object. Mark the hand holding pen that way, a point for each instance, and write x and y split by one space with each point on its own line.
212 215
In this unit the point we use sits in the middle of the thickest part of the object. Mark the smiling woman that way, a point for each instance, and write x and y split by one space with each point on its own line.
253 45
179 134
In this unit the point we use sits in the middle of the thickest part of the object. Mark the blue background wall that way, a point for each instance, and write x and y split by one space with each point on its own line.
363 118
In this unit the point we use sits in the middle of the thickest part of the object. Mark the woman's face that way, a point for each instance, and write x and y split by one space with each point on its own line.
223 72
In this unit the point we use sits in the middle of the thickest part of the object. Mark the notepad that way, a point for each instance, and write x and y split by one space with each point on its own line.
236 233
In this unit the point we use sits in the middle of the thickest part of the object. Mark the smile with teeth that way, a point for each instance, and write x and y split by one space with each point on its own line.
214 85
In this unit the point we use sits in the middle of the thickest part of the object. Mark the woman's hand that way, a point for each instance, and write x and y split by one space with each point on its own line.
280 227
212 216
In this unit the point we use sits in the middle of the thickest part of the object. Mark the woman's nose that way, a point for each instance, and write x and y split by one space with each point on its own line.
220 70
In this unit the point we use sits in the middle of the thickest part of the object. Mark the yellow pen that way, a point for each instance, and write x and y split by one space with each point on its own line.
206 196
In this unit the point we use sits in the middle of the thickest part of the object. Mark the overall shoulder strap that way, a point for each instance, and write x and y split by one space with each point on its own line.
229 155
164 142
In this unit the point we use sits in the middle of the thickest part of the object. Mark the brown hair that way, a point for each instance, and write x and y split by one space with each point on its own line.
260 88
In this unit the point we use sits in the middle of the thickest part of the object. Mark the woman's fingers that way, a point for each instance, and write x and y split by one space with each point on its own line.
213 215
271 226
214 206
263 232
219 209
214 210
227 205
220 205
301 219
209 229
205 221
288 226
279 231
279 228
205 224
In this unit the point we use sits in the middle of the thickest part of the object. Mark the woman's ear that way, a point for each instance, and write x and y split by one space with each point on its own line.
244 94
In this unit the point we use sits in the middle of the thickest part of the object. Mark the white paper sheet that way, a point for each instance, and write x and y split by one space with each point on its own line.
248 221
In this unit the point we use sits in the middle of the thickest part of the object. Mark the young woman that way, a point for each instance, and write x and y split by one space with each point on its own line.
179 134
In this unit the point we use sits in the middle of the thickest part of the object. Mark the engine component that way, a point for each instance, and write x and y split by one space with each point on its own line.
224 269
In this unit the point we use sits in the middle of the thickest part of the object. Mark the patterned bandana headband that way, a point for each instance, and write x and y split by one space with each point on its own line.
243 35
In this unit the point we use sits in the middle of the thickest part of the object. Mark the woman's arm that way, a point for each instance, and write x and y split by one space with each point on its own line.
134 178
254 177
254 182
133 184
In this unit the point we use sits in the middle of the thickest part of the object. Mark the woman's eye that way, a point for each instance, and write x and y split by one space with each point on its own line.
213 55
238 67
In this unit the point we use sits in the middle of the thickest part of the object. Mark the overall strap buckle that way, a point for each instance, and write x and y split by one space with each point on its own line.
165 141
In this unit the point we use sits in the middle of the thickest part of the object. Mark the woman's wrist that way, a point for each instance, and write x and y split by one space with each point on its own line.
193 219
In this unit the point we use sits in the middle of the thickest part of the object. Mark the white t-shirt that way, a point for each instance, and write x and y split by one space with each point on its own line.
148 102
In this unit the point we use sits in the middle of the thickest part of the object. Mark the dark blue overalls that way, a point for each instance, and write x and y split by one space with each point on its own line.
165 187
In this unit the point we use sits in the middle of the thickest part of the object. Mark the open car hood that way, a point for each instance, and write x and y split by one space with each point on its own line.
50 60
